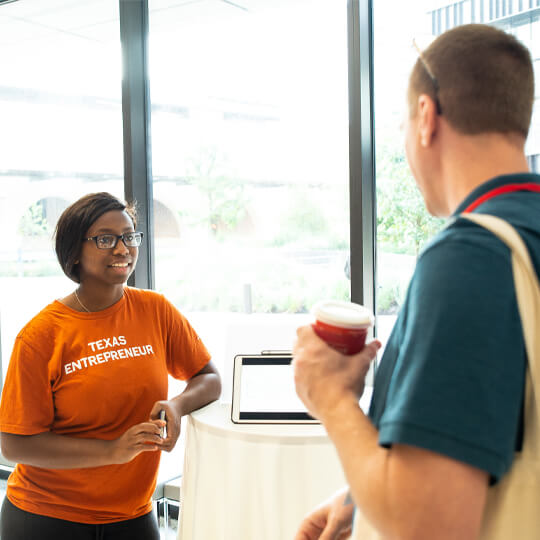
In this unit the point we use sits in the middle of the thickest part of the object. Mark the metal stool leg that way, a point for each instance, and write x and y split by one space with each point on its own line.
166 516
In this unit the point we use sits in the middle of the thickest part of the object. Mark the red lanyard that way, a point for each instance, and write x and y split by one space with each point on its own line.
509 188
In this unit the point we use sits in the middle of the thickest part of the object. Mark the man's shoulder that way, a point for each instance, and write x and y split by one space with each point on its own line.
464 267
461 242
462 239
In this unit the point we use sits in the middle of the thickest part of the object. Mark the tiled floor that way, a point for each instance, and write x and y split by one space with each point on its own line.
166 534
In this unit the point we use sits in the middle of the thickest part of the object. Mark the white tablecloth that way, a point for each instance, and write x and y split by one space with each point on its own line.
252 482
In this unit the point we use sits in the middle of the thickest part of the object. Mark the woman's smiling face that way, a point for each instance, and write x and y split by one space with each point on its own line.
108 266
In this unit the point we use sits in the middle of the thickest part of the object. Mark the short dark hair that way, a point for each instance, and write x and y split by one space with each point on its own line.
485 80
74 223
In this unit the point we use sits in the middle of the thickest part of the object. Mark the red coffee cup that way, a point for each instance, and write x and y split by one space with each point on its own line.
343 325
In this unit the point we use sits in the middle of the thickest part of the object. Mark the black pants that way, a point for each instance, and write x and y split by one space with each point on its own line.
16 524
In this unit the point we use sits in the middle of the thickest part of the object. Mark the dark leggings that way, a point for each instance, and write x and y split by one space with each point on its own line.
17 524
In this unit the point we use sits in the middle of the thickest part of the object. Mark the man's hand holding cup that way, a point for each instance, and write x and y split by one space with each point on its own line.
331 359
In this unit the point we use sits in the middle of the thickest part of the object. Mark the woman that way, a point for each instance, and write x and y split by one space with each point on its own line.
87 380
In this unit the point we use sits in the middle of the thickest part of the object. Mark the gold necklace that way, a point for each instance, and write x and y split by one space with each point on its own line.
79 300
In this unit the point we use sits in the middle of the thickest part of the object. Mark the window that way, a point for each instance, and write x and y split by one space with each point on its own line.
250 138
61 137
250 165
403 225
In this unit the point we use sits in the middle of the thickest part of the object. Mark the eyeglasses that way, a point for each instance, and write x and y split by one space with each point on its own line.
109 241
432 77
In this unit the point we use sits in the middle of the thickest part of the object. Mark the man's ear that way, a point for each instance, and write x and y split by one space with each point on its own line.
427 119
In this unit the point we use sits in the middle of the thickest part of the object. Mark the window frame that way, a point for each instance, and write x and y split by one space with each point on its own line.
136 116
136 110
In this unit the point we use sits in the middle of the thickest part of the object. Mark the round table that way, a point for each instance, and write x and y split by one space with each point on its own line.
252 481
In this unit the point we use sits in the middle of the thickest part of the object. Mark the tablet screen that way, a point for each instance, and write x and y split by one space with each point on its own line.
267 389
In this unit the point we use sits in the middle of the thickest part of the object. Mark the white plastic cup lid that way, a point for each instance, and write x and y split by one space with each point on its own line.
343 314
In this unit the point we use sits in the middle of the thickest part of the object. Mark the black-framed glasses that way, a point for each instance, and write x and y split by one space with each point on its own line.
109 241
431 75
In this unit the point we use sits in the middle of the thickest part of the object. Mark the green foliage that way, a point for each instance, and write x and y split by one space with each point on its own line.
225 195
33 222
403 223
304 216
279 283
303 222
389 299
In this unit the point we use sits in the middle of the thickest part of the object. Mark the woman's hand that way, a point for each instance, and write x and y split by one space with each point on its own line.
172 423
201 389
143 437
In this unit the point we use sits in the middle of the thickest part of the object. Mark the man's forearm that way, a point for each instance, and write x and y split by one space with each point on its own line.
406 492
363 460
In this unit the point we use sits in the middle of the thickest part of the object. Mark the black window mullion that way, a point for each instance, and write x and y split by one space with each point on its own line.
361 152
136 125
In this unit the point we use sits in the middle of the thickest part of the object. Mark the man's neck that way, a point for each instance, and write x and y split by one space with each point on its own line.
472 160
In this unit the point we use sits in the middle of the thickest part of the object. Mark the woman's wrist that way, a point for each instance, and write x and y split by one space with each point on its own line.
179 406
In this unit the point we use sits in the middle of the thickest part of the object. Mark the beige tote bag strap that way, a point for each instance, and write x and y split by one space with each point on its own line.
528 298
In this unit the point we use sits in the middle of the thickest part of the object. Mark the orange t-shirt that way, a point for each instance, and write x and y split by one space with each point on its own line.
94 375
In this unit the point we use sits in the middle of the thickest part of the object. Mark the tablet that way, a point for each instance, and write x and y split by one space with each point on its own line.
264 393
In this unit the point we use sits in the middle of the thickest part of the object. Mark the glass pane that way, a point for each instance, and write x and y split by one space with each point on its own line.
60 137
250 164
403 225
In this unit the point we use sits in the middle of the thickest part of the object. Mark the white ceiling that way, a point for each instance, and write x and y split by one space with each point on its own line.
42 20
97 20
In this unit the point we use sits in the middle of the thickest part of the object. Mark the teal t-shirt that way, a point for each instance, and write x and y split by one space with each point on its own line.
451 379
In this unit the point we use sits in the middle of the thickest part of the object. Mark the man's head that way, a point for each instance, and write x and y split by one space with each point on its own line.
485 80
470 97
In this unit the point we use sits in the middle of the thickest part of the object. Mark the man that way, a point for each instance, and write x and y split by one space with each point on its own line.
445 417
